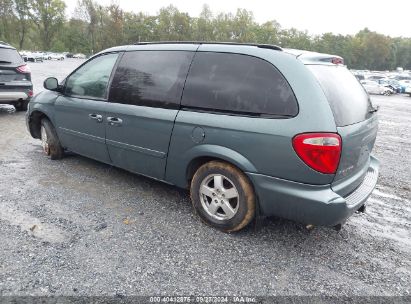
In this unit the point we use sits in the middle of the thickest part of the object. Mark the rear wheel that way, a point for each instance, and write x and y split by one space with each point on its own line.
21 105
49 140
223 196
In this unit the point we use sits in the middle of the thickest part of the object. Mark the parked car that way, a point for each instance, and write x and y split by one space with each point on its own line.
32 57
15 78
79 56
391 84
56 56
408 90
373 87
256 130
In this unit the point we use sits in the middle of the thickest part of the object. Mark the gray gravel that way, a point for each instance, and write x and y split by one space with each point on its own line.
79 227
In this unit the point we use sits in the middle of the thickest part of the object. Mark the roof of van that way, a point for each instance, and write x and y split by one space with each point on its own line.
306 57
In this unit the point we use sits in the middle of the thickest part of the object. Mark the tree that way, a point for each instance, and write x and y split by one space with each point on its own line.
173 24
48 15
203 26
22 12
6 16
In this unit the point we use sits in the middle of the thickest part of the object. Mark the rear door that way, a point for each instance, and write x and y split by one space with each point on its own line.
144 100
355 118
80 110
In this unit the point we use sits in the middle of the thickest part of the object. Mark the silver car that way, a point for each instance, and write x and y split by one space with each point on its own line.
373 87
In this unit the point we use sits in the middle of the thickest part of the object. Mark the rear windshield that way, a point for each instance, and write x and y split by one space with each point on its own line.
348 100
9 56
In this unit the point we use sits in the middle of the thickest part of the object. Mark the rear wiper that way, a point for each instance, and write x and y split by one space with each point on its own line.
373 110
1 61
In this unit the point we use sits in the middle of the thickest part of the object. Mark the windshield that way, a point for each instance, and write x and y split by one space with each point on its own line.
9 56
347 98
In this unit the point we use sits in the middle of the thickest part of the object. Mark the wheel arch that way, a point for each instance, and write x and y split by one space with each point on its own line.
34 122
199 155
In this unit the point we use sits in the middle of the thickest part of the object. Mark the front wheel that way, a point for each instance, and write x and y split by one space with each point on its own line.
223 196
49 140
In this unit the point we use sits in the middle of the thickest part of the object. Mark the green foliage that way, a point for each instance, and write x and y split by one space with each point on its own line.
42 25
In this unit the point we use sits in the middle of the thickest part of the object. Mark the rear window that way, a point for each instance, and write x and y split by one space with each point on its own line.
9 56
348 100
238 84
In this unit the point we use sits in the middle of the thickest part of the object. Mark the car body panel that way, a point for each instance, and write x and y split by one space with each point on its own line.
141 143
310 204
77 130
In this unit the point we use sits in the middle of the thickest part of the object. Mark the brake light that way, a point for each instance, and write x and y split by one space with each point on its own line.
30 93
23 69
320 151
337 60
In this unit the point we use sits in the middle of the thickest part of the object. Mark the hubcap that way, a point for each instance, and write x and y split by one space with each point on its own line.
44 141
219 197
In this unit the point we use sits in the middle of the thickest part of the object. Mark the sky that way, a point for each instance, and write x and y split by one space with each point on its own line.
391 18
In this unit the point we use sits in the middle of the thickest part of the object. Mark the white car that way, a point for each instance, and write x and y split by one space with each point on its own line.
79 56
373 87
55 56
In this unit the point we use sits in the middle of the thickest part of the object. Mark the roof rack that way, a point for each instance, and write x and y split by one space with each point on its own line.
263 46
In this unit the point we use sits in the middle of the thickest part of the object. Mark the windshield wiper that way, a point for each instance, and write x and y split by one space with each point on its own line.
1 61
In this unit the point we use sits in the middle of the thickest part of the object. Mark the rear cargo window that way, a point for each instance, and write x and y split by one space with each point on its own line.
9 56
347 98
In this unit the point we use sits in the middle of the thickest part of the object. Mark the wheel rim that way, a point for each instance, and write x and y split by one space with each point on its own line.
44 141
219 197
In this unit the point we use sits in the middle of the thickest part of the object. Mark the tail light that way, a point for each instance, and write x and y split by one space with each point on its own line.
30 93
320 151
337 60
23 69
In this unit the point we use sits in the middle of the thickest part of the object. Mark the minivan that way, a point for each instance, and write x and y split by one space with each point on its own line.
250 129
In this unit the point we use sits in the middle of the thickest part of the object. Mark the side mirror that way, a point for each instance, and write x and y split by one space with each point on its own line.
51 84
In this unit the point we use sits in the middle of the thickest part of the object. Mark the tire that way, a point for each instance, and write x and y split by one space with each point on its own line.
223 196
50 141
21 106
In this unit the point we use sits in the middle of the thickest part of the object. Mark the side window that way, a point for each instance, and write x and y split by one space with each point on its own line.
238 83
151 78
91 80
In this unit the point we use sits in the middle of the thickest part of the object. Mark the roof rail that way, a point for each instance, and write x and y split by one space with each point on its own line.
263 46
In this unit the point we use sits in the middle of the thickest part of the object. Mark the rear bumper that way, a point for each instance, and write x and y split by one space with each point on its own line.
6 97
312 204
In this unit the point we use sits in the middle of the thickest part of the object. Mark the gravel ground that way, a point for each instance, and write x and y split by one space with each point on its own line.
79 227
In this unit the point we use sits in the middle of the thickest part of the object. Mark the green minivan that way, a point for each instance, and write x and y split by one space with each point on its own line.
250 129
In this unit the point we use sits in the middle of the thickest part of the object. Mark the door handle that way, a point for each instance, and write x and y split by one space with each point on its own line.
97 117
114 121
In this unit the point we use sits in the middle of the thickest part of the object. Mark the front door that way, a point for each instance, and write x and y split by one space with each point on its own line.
80 110
144 101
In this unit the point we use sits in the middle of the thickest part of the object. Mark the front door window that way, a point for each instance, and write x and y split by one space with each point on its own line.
91 80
